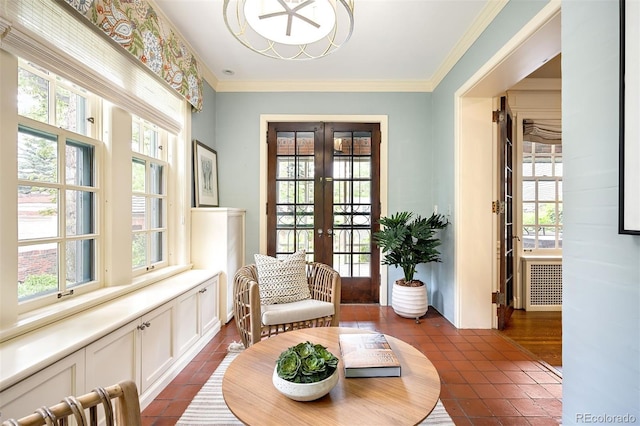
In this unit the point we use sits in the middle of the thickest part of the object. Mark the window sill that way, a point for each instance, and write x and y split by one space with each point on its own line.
37 318
33 351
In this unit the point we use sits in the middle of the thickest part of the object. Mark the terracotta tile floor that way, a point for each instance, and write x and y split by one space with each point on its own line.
486 379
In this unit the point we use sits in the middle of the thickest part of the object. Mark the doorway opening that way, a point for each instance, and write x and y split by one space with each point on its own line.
477 268
536 323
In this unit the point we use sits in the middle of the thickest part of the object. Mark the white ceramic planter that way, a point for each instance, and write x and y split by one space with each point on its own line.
409 302
305 391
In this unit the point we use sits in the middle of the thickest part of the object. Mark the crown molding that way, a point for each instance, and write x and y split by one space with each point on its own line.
487 15
325 86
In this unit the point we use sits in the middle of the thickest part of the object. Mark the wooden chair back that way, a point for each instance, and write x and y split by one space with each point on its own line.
126 413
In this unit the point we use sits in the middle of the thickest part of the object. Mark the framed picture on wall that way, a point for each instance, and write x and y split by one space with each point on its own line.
629 185
205 172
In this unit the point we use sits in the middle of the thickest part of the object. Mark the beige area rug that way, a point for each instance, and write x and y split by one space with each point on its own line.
208 407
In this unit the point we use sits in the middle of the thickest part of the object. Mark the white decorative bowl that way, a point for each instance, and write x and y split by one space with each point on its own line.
305 391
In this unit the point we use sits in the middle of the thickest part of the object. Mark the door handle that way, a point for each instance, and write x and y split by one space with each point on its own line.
320 232
330 231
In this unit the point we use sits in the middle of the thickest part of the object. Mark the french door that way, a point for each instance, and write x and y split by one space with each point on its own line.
506 236
324 198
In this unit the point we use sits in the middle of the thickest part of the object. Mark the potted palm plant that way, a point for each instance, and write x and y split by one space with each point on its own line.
408 241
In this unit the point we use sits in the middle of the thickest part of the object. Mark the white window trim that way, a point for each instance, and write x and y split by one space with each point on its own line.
117 280
518 222
147 195
46 300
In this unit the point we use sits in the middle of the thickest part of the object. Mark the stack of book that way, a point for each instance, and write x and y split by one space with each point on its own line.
368 355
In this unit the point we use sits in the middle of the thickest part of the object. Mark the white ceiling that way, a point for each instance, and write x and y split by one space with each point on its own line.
404 45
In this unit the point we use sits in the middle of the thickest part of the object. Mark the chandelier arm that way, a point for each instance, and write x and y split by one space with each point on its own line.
289 24
291 13
307 20
273 15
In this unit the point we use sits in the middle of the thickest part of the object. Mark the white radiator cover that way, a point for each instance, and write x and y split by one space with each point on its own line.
543 284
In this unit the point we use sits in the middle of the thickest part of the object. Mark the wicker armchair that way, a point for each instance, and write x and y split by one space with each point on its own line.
256 321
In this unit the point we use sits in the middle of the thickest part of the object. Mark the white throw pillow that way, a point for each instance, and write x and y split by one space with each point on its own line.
282 281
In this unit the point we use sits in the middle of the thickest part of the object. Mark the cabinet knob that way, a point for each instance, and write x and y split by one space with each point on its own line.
141 327
146 323
203 290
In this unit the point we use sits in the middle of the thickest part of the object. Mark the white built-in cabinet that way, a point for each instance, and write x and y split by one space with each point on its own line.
218 244
114 358
149 349
208 312
140 351
47 387
204 302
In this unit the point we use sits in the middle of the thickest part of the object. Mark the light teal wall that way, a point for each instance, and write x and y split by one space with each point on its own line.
237 143
601 269
420 143
601 321
510 20
203 123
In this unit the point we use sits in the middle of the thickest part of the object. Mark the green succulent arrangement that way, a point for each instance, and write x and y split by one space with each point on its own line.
306 363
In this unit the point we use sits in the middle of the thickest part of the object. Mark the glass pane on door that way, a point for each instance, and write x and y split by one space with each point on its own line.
295 193
352 183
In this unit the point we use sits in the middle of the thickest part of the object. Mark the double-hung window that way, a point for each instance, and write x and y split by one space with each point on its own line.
542 185
149 196
58 190
74 168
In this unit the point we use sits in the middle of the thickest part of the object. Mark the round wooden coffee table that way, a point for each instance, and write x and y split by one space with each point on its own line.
250 395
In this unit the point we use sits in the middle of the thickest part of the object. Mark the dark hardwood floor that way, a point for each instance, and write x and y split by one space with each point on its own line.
539 332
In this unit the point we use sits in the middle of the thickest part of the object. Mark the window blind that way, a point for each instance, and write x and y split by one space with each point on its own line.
46 33
543 131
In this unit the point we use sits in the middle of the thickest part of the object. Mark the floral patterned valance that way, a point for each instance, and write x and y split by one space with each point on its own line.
135 26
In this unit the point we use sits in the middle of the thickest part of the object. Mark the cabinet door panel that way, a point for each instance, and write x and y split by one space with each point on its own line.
209 304
114 358
46 387
187 332
157 349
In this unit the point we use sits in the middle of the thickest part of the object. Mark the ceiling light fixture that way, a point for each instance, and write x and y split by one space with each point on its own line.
290 29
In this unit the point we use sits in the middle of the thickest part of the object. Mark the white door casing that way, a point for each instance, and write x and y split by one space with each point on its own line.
475 256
